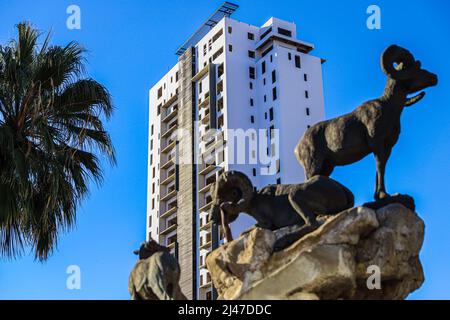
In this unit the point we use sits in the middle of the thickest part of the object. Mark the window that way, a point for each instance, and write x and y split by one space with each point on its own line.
251 85
153 187
160 92
199 87
271 58
270 114
274 76
153 203
154 172
305 77
251 102
274 93
171 79
254 172
204 50
272 131
230 48
265 115
278 180
265 33
307 111
251 54
176 76
289 56
251 72
263 67
220 70
150 221
285 32
264 81
267 51
230 29
217 53
217 35
151 159
297 61
158 111
265 98
152 129
306 94
252 119
250 36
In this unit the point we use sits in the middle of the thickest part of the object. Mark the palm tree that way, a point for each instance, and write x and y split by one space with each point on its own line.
51 134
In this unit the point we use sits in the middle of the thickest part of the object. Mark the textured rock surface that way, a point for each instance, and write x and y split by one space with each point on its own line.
329 263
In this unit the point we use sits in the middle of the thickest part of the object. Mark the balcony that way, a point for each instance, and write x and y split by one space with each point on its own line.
169 179
169 195
170 115
171 128
206 207
170 101
168 212
168 163
169 146
171 226
207 169
206 226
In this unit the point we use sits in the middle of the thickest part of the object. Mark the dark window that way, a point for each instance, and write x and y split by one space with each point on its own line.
254 172
278 180
220 70
251 102
266 51
306 94
251 72
176 76
264 81
251 85
289 56
305 77
230 29
160 92
265 98
252 119
307 111
272 131
271 58
159 110
285 32
270 114
265 115
263 67
297 61
274 93
274 76
199 87
153 203
265 33
230 48
152 130
250 36
251 54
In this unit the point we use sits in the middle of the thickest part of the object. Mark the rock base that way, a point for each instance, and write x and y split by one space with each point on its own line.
360 253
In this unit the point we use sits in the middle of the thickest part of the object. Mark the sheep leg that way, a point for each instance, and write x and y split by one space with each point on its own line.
381 157
296 198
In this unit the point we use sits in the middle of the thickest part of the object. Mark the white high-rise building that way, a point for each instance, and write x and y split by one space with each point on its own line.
229 75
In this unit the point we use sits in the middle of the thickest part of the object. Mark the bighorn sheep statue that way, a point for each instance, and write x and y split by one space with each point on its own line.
373 127
276 206
156 275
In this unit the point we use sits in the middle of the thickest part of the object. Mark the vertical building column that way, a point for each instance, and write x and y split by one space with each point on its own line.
186 196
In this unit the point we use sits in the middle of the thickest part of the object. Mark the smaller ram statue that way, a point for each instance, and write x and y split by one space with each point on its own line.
373 127
156 275
276 206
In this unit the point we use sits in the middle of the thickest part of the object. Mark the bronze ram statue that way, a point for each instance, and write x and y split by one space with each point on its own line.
156 274
374 127
276 206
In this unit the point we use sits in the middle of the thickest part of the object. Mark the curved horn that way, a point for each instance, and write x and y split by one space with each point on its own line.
238 180
395 54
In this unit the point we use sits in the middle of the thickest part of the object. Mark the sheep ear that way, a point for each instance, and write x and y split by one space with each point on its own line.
136 252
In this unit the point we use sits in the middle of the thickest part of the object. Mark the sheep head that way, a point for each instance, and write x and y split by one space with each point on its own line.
405 72
232 193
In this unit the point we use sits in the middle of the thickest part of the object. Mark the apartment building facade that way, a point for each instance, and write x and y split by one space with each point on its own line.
230 77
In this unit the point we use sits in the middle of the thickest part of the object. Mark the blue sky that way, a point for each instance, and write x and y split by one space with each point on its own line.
132 43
